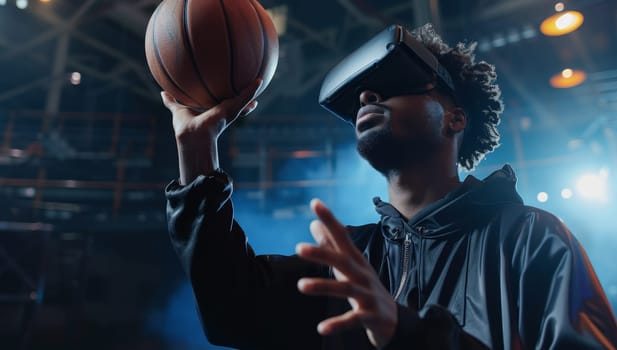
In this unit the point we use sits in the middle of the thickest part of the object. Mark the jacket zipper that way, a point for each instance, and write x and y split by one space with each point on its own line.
404 276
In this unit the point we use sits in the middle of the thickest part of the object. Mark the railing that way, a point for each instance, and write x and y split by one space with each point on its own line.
103 166
46 160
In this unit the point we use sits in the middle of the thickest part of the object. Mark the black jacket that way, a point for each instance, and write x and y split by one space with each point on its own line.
481 269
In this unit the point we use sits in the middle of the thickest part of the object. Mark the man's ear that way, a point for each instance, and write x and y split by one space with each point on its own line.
456 120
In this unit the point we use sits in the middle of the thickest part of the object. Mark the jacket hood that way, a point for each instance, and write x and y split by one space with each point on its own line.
473 201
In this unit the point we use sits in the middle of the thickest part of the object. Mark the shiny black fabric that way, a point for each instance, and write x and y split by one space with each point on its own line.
482 271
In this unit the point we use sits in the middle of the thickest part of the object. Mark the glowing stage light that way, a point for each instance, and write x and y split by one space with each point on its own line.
568 78
21 4
542 197
2 2
562 23
566 193
593 186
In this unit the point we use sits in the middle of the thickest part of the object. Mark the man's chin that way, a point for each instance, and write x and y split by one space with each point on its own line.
369 131
379 149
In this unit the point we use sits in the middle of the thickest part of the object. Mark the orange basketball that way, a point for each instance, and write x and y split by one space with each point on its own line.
205 51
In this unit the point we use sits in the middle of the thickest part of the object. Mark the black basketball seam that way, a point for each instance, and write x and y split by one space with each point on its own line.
157 53
264 36
187 42
232 71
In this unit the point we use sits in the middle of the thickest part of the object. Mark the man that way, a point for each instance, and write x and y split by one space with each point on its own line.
450 265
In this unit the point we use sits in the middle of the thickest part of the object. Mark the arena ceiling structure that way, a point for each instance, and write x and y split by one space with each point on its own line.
86 149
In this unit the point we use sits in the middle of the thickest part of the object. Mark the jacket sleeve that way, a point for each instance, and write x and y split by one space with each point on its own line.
244 300
561 304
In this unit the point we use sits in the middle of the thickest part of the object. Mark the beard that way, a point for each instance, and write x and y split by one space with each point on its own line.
388 154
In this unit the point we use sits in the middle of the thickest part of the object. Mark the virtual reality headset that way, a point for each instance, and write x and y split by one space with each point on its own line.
392 63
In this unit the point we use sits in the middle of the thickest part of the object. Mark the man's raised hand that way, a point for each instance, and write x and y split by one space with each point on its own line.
372 306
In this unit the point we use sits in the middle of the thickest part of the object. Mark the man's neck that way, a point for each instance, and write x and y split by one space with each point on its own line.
411 190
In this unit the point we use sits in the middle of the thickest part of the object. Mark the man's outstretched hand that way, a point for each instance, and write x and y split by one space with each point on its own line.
372 306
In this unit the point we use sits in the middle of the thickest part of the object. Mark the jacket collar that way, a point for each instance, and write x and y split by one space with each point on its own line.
473 201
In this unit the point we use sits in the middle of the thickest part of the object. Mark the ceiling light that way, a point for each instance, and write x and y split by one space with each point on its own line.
542 197
21 4
75 78
568 78
562 23
559 7
566 193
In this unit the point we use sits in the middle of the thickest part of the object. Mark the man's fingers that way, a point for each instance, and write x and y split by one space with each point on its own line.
323 255
350 319
220 115
232 107
318 231
336 232
331 287
174 106
249 108
324 214
327 256
168 100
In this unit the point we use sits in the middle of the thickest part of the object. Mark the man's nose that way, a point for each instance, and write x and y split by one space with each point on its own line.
368 97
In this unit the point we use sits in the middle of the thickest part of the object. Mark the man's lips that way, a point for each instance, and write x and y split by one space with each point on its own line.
368 120
368 116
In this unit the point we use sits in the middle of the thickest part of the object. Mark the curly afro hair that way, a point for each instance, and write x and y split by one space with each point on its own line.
476 92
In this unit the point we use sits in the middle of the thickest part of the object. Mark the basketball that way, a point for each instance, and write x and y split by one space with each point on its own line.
205 51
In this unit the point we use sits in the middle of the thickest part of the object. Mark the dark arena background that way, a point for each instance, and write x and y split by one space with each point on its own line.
86 149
